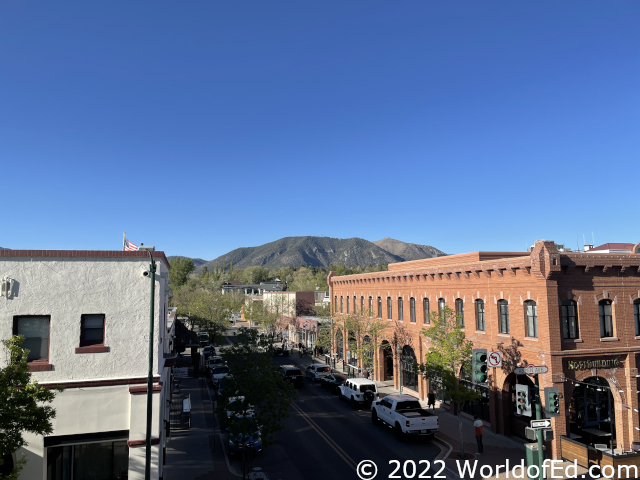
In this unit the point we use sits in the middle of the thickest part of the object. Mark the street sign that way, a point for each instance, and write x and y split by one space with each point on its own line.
541 423
494 359
179 372
530 370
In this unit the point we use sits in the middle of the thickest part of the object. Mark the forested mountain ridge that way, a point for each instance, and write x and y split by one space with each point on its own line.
321 252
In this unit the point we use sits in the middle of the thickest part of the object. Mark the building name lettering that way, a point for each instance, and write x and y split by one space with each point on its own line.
589 364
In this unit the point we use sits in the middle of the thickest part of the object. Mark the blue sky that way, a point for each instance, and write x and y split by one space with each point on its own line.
200 126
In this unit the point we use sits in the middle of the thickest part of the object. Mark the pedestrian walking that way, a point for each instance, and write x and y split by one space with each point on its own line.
431 400
477 424
365 373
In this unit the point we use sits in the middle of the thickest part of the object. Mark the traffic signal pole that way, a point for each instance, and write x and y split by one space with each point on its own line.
539 430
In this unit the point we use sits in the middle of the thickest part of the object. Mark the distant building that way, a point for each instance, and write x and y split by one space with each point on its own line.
614 248
85 316
253 290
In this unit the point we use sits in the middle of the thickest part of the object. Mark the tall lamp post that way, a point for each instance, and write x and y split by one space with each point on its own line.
152 276
399 350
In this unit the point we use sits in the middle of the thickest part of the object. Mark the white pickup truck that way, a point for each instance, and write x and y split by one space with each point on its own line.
405 415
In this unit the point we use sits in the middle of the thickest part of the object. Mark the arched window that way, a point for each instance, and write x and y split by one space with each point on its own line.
379 307
480 315
460 311
425 311
400 309
606 319
412 309
441 306
409 377
340 303
348 304
335 303
361 305
389 309
531 319
355 304
503 311
636 315
371 306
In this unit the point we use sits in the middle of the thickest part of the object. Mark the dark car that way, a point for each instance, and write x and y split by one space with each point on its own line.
208 351
333 381
279 351
292 374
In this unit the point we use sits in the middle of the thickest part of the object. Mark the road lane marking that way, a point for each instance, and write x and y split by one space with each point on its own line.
348 460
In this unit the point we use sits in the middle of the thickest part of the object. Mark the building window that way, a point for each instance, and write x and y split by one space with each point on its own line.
400 309
441 306
371 306
103 460
355 305
569 314
347 304
606 319
460 311
91 330
412 308
361 305
335 303
531 318
340 303
35 330
503 310
425 311
379 307
389 308
480 315
636 315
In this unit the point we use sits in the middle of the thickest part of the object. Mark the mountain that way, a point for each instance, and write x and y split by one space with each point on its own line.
196 261
408 251
321 252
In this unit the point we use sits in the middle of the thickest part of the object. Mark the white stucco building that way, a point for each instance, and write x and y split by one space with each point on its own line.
86 318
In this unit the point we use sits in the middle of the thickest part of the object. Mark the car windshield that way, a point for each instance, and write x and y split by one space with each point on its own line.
340 379
291 373
408 405
215 360
323 369
367 388
220 370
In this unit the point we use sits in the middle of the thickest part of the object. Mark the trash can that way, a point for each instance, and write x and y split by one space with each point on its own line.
532 455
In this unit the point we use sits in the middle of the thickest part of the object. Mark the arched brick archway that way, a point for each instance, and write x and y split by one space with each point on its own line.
386 368
510 422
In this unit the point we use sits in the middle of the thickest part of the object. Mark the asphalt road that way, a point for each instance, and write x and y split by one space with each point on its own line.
324 439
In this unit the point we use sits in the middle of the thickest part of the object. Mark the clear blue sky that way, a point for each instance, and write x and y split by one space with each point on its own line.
201 126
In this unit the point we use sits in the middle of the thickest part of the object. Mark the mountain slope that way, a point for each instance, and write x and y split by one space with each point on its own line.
321 252
196 261
408 251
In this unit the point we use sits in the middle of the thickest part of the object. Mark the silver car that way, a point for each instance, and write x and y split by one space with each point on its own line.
317 371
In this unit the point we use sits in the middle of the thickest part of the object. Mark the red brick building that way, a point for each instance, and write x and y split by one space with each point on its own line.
576 313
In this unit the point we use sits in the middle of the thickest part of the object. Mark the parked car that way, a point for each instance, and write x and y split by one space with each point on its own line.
204 339
405 415
358 391
208 351
292 374
218 373
315 372
235 443
333 381
214 361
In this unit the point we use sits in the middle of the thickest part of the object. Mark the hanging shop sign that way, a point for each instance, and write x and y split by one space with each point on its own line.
590 364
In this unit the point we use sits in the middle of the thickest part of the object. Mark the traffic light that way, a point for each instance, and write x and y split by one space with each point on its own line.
523 400
479 365
552 405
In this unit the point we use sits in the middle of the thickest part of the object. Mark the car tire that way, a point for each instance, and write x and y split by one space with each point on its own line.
398 432
374 418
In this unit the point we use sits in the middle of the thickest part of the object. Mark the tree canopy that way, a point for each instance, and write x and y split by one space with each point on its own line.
180 269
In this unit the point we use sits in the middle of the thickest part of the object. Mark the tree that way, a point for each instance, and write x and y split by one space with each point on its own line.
212 311
180 269
23 403
449 355
267 396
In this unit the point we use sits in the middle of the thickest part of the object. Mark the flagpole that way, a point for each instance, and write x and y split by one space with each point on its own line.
124 238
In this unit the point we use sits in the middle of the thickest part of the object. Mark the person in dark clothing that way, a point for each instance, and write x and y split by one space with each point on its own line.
431 400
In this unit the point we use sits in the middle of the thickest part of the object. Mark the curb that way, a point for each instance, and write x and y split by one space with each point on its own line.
442 457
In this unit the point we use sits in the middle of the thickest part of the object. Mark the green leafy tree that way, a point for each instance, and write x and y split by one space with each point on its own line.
449 355
212 310
266 394
180 269
23 403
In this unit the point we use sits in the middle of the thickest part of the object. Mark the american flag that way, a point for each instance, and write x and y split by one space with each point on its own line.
130 246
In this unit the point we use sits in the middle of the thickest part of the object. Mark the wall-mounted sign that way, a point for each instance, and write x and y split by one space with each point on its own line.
590 364
179 372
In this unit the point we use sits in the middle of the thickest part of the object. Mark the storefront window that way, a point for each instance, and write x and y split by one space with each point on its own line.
592 412
99 461
409 377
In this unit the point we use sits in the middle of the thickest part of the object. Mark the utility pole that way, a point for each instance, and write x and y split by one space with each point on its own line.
152 276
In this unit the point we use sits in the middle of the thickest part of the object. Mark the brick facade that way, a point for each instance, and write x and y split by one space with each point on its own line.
549 279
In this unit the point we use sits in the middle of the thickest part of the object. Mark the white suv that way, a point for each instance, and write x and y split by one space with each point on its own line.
358 390
317 371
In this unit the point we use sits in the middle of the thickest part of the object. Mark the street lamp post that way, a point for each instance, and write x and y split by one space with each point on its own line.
399 350
152 276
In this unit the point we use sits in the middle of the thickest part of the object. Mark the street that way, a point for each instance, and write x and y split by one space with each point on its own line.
325 438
